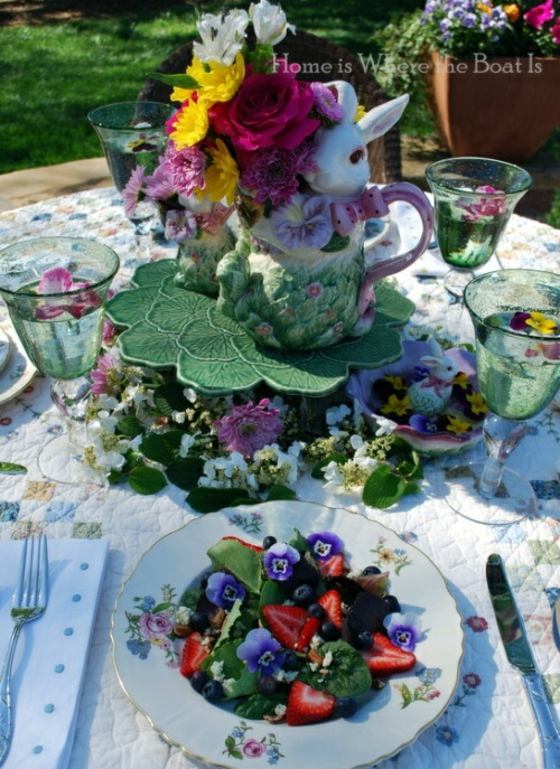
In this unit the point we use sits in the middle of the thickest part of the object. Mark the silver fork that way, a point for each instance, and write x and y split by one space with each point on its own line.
29 603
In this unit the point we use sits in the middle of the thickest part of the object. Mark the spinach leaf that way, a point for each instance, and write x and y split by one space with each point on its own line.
259 705
241 561
348 674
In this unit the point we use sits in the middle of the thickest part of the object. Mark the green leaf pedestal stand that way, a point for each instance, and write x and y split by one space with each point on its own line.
169 327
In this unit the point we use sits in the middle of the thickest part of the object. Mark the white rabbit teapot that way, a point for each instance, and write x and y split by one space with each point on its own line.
297 278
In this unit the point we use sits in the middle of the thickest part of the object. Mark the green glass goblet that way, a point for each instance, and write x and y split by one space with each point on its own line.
473 201
55 290
516 318
132 134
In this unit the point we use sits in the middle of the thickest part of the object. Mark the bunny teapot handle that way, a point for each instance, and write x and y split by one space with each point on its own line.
382 199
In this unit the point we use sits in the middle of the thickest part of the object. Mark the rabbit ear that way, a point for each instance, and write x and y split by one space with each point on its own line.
346 98
430 360
380 119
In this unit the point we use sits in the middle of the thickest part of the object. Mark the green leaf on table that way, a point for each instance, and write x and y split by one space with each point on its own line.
169 398
190 597
317 471
348 674
11 468
180 80
185 472
277 491
383 487
411 467
146 480
130 426
205 500
245 564
161 447
259 705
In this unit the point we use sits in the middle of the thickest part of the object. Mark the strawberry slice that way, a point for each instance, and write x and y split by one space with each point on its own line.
194 654
332 604
311 626
385 659
256 548
333 566
286 623
307 705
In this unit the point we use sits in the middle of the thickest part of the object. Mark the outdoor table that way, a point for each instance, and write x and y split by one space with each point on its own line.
489 723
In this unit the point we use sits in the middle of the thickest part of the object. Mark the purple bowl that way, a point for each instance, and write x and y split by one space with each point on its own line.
360 388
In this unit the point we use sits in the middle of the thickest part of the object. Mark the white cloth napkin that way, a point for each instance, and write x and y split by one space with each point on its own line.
52 651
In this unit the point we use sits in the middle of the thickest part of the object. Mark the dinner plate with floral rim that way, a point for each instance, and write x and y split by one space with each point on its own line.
146 654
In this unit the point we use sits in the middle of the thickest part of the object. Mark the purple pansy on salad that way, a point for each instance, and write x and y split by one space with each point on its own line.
223 590
325 544
279 561
261 652
404 630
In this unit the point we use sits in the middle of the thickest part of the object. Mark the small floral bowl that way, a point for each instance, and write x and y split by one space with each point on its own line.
382 393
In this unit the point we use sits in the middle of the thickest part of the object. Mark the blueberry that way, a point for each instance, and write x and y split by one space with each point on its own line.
369 570
199 679
268 542
291 661
316 611
363 641
392 604
345 707
303 595
304 574
329 631
266 685
213 691
199 621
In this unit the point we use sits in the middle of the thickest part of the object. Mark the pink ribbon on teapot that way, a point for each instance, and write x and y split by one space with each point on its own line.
370 205
433 381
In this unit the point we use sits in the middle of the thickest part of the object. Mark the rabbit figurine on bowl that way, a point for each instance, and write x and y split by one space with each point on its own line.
297 277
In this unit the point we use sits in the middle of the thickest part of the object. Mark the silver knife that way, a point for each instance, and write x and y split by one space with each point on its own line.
556 622
519 654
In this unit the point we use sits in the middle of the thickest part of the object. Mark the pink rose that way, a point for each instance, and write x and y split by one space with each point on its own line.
555 31
267 111
154 626
253 748
538 15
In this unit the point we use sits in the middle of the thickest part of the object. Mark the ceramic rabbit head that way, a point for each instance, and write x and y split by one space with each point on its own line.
340 157
440 365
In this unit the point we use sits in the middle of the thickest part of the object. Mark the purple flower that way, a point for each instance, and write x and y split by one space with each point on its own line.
519 321
271 174
472 680
155 626
423 424
158 186
253 748
279 561
324 544
250 427
180 225
223 590
325 102
102 381
446 735
184 168
305 222
261 652
403 630
134 190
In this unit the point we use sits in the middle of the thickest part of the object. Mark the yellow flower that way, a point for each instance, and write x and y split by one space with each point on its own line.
512 12
478 404
191 124
386 556
461 380
360 112
484 7
541 323
217 81
457 425
396 381
398 406
221 175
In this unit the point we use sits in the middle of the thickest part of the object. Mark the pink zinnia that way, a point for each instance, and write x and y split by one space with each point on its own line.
158 186
325 102
185 169
249 428
134 190
538 15
101 376
555 31
271 174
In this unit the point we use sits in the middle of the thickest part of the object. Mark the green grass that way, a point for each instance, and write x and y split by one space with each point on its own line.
54 74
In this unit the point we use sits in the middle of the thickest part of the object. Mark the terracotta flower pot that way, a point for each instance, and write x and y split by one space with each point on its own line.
504 108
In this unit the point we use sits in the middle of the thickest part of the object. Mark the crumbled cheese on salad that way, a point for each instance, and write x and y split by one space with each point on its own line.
327 659
283 675
217 670
314 666
183 615
315 641
280 710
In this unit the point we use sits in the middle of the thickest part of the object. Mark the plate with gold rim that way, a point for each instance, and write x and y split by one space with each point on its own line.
145 654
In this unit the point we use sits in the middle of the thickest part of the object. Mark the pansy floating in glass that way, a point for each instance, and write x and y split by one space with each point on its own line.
291 157
133 137
288 633
55 290
516 317
474 199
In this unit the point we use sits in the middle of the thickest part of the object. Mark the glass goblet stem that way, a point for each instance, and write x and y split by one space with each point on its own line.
71 397
501 437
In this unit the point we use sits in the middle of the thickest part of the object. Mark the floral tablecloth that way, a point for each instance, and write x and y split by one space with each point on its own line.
489 722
